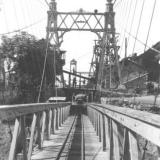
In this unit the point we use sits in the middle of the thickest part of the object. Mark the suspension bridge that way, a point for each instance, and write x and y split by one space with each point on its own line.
118 121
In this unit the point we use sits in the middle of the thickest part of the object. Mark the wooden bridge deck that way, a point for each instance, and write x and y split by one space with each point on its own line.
74 147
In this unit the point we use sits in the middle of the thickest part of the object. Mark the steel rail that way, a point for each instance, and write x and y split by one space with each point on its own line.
66 139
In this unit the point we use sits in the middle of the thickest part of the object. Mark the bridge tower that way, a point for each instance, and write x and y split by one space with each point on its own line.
105 52
102 24
73 69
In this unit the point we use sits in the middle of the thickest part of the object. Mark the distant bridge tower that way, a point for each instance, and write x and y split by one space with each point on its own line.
73 69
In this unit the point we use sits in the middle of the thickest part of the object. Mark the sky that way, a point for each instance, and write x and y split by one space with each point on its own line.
32 15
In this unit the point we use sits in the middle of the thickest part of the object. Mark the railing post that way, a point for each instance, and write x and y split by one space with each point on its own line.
104 133
60 116
100 132
39 130
126 155
65 113
57 118
158 149
116 151
22 120
32 136
97 124
43 126
133 145
49 124
95 121
53 121
14 140
108 138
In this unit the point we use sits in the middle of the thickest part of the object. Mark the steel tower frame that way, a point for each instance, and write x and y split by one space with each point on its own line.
102 24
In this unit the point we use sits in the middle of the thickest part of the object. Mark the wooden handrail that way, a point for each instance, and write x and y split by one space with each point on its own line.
43 118
8 112
132 122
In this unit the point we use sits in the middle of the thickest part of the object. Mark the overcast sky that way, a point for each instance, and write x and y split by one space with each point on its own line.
16 14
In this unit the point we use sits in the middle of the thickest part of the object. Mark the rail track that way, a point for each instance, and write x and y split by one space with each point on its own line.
74 143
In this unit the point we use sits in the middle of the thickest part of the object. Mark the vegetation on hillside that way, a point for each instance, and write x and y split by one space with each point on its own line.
25 58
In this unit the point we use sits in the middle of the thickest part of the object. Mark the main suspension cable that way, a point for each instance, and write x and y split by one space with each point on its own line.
154 6
132 20
138 26
23 28
44 68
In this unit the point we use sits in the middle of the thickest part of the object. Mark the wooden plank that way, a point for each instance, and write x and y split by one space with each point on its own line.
14 140
32 136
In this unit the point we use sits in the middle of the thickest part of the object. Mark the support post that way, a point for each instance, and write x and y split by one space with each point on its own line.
32 136
100 132
108 140
22 120
53 121
49 124
104 133
43 126
14 140
39 130
57 118
116 151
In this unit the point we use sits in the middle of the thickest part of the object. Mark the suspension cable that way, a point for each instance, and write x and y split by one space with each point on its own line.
154 49
150 24
138 26
123 38
117 4
134 11
44 68
23 28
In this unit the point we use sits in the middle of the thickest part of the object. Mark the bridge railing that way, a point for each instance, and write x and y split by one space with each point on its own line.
32 124
123 130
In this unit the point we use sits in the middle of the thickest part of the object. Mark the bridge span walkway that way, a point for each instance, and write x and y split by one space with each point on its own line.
114 130
76 139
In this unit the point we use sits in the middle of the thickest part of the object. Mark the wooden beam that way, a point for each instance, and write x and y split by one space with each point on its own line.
8 112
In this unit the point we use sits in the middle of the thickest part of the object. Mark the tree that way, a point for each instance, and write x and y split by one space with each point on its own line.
26 55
